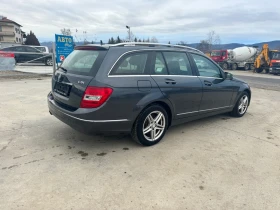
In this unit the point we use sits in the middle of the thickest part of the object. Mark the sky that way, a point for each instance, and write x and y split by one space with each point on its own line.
235 21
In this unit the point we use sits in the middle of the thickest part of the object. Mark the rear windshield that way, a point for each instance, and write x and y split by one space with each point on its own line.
84 62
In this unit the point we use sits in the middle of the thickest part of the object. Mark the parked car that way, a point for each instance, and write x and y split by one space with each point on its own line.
26 53
142 89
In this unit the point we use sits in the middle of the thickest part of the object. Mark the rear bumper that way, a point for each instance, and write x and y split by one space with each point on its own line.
85 125
274 70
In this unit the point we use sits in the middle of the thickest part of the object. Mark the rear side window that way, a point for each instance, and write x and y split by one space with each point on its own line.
177 63
42 49
160 67
83 62
131 65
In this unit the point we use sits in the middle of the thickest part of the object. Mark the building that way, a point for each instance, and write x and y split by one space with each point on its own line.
10 32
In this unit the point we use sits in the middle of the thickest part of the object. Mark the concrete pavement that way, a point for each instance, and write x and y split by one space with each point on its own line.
214 163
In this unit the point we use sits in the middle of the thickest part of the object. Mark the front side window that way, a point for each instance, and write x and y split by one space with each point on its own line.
177 63
131 65
205 67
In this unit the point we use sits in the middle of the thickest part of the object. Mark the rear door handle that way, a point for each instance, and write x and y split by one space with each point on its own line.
207 83
170 81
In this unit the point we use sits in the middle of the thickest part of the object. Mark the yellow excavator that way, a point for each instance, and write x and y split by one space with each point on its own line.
268 60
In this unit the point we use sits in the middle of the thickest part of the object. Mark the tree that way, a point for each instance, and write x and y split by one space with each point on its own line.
135 39
91 42
169 42
118 40
113 40
213 39
66 31
204 46
144 40
148 40
139 40
31 39
154 39
101 42
109 41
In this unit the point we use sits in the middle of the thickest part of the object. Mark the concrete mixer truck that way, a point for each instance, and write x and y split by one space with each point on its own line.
241 57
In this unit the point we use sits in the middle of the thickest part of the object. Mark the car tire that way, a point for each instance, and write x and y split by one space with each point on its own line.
49 62
145 122
241 105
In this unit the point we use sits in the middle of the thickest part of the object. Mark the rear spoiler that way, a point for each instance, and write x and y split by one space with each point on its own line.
92 47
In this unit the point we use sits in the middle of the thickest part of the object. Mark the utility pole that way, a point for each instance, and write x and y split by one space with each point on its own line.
128 27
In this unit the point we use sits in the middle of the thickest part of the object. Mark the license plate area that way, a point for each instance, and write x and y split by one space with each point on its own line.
62 89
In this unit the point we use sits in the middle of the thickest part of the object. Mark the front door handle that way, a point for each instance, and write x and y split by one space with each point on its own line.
170 81
207 83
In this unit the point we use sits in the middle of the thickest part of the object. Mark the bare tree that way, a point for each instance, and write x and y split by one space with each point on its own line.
132 36
204 46
66 31
213 39
154 39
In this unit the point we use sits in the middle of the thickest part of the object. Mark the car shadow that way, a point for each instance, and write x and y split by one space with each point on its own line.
103 143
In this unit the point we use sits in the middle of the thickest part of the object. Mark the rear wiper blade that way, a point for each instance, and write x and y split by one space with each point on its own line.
64 69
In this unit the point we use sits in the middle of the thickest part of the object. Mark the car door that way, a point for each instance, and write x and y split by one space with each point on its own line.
217 91
20 54
173 74
33 55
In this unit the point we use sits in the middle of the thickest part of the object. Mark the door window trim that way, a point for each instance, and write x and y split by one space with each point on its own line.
197 71
122 56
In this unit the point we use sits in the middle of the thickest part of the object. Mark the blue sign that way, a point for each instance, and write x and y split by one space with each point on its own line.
63 47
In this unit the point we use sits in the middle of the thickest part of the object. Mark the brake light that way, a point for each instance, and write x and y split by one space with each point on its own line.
95 96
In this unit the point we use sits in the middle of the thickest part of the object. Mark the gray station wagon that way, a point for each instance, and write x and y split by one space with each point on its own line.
142 88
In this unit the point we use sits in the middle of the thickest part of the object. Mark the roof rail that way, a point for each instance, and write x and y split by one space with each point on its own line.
153 45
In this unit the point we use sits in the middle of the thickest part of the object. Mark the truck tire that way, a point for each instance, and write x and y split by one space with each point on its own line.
225 66
247 67
234 66
252 67
259 70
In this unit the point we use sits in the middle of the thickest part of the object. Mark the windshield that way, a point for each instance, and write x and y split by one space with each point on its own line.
276 55
215 53
83 61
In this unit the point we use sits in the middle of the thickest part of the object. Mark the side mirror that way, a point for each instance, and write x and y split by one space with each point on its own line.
228 76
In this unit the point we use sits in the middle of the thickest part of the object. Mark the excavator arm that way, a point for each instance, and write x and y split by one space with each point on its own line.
263 60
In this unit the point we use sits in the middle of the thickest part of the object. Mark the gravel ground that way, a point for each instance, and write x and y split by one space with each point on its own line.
18 75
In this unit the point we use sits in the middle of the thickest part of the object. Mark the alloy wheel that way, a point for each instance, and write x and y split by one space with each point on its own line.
49 62
154 126
243 104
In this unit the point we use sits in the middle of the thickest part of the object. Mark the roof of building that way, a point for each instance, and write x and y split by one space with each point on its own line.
5 19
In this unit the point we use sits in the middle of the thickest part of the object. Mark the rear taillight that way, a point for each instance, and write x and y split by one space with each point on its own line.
95 96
